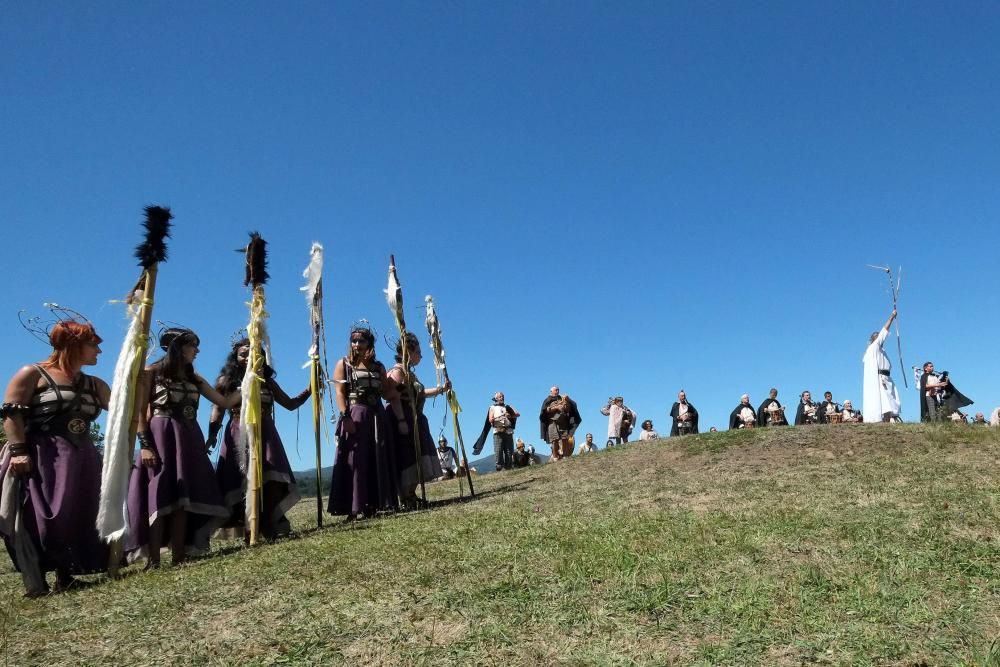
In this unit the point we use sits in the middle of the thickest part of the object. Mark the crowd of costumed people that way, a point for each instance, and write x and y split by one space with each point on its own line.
69 510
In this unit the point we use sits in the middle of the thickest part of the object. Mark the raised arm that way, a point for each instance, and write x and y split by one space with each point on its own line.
213 394
284 400
888 322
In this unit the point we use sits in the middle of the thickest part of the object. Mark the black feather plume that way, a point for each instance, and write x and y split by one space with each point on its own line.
256 261
153 249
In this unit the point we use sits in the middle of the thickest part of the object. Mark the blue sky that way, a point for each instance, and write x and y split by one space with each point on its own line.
619 198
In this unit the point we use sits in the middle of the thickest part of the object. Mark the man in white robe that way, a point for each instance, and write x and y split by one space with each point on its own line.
881 399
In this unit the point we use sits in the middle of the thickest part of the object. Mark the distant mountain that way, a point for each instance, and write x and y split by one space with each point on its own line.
306 479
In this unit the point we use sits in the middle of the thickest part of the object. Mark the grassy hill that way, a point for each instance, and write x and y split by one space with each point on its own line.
829 545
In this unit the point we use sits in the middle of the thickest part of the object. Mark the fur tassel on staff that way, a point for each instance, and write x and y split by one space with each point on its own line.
434 331
249 446
314 299
112 516
394 296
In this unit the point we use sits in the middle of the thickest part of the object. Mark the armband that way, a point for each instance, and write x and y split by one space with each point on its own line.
11 409
146 441
17 448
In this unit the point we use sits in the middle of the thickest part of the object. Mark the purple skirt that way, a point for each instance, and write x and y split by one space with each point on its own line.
54 509
280 493
183 480
364 470
406 456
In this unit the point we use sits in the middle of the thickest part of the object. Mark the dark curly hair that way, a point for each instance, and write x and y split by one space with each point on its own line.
232 371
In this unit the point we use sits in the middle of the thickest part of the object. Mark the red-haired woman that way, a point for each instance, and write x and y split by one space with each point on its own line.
50 471
172 491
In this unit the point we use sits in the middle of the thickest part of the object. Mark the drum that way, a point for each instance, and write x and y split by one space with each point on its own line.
776 417
833 418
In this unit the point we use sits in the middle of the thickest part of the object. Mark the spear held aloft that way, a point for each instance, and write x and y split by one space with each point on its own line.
434 331
894 291
251 415
394 296
314 299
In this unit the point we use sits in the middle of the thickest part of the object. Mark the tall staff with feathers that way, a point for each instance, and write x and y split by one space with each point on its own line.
394 296
122 424
434 331
314 299
249 445
894 291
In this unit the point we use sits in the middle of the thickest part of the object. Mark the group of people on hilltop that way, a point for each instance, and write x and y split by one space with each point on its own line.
50 471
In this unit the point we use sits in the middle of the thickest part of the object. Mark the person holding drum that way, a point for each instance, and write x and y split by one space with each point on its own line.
743 416
771 412
829 410
807 412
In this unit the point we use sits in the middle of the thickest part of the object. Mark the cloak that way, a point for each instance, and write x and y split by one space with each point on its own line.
477 447
762 412
800 414
675 412
734 416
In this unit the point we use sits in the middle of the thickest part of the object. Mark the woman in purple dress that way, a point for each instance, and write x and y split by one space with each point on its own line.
172 492
364 471
50 471
279 491
408 414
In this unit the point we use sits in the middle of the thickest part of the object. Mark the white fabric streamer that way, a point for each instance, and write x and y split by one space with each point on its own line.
112 513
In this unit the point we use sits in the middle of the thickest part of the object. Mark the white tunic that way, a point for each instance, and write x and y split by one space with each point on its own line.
880 394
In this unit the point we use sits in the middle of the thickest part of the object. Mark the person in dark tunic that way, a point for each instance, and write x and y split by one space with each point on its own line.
279 491
365 472
771 412
743 415
807 412
50 471
409 413
685 416
172 491
828 407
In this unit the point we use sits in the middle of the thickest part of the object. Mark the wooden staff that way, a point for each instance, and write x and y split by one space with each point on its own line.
434 331
123 413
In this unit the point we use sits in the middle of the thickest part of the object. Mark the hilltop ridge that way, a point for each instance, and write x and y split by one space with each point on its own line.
870 544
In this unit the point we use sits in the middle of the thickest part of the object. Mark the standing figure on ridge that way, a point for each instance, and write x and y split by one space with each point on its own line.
829 410
880 400
807 412
743 415
621 420
771 412
409 413
279 491
173 494
365 473
502 418
559 419
685 416
50 471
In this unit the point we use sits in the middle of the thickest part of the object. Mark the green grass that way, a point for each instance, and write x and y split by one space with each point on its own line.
846 545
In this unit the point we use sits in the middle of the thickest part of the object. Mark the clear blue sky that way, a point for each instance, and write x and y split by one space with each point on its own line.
613 197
